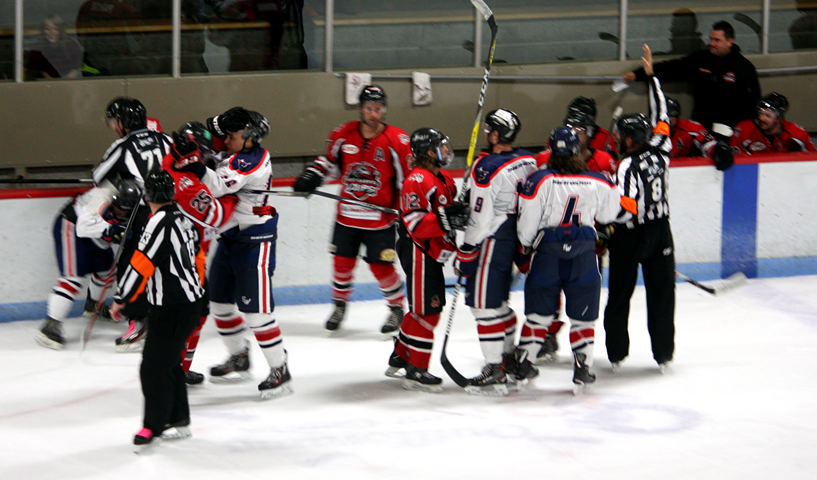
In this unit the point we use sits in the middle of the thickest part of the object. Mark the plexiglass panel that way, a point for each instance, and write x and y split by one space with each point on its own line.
6 40
792 25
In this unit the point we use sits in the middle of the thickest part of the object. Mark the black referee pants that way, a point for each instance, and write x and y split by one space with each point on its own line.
161 371
651 246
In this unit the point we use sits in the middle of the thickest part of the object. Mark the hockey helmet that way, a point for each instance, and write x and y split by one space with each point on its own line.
775 102
586 105
191 137
159 187
425 139
127 196
372 93
577 118
635 126
505 122
129 111
673 108
564 142
258 127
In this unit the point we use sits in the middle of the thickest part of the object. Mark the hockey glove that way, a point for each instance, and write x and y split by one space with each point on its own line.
467 261
113 233
454 216
603 234
308 181
723 156
522 259
188 155
233 120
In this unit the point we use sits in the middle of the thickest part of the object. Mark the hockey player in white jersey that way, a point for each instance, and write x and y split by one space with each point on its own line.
241 271
487 254
557 211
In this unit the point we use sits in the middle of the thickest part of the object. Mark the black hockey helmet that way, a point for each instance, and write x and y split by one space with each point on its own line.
564 142
775 102
636 126
127 196
129 111
425 139
372 93
673 108
257 128
586 105
577 118
191 137
159 187
505 122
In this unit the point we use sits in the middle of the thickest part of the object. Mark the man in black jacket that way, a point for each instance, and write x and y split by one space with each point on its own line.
724 83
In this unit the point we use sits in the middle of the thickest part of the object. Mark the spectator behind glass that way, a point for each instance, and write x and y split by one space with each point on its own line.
724 83
56 55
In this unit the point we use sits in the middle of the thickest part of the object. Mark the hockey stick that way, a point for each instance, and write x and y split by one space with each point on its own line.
108 281
24 181
613 121
721 286
489 17
284 193
449 369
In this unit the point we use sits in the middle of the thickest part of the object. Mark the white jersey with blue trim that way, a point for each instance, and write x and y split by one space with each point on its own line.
494 183
239 174
551 199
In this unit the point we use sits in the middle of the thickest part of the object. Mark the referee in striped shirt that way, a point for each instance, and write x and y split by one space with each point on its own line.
169 266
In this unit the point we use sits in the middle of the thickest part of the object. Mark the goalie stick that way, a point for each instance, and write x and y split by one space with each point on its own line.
721 286
284 193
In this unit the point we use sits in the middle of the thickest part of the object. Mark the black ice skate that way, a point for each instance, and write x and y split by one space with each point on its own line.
396 363
277 384
581 373
393 321
547 354
333 323
145 441
236 368
90 308
50 335
519 367
134 339
193 378
419 379
492 382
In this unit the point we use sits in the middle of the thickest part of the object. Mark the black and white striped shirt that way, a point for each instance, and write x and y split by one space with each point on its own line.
167 263
133 156
642 175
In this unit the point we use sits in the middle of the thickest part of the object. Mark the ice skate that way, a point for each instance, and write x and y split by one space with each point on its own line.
419 379
616 366
134 339
50 335
518 367
179 431
104 311
492 382
144 441
193 378
548 352
235 369
663 366
277 384
334 321
396 363
393 322
581 374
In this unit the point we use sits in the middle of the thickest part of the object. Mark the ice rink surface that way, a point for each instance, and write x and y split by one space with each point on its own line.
738 402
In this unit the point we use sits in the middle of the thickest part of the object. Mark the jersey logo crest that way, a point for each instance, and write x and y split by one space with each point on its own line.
730 77
443 200
757 146
378 155
417 177
482 175
349 149
185 182
362 181
404 139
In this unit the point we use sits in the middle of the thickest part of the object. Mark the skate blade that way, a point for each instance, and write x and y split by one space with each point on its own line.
232 377
395 372
663 368
498 390
282 391
177 433
147 448
47 342
579 389
546 359
421 387
389 336
134 347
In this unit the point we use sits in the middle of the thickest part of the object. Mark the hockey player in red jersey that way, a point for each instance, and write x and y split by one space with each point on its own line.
194 144
599 138
770 132
370 159
692 139
486 257
427 239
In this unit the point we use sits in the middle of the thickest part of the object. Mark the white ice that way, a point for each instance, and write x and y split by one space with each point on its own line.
737 403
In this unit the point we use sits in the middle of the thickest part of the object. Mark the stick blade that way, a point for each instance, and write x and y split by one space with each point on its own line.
483 8
730 283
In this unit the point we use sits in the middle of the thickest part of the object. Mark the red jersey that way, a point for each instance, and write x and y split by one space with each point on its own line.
749 139
599 161
600 138
422 195
371 171
197 203
153 124
691 139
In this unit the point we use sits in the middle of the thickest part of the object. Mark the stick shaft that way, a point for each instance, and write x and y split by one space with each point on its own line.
319 193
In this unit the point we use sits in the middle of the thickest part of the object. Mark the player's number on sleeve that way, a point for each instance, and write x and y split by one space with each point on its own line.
201 201
478 205
411 201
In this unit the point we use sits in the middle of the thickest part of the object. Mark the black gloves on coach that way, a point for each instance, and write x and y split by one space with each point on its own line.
454 216
308 181
723 156
233 120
